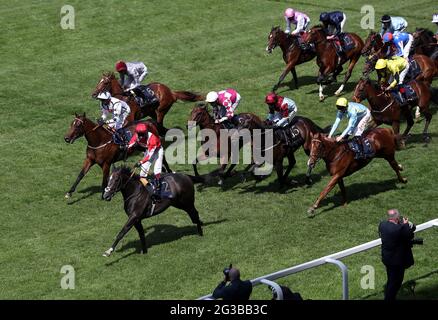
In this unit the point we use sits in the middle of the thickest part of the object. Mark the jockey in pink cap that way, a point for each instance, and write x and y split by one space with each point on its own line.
300 19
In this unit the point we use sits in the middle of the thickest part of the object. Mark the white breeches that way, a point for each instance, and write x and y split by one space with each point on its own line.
363 124
158 158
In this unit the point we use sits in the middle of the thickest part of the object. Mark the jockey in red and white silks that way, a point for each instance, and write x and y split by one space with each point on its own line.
227 102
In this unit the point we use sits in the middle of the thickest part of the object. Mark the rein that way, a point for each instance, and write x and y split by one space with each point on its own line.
85 132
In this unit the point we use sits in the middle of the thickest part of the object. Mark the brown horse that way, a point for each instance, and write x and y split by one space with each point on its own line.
302 130
340 161
293 54
385 109
204 120
327 58
425 43
101 149
166 98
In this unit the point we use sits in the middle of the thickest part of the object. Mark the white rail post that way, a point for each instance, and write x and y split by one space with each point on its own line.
275 286
344 270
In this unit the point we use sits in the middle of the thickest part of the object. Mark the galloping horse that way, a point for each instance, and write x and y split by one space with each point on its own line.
375 49
340 161
204 120
166 98
327 58
303 128
293 54
385 109
138 204
101 149
425 43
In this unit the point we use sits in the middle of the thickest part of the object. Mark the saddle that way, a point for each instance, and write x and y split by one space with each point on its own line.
346 41
404 94
365 151
145 96
165 192
123 138
289 135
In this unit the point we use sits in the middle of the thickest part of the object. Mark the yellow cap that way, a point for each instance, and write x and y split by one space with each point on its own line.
341 102
380 64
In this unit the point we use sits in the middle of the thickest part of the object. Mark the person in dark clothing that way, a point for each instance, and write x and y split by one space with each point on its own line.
287 294
397 234
236 290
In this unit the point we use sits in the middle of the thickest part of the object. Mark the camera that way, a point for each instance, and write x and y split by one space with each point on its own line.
418 241
227 270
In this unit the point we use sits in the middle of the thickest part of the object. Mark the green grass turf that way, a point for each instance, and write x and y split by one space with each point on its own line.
48 74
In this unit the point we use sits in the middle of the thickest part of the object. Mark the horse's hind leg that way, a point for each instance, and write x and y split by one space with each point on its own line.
295 77
343 191
396 167
86 166
428 117
409 122
194 216
140 231
292 161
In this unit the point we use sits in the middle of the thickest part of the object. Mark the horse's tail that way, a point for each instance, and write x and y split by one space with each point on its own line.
187 96
196 179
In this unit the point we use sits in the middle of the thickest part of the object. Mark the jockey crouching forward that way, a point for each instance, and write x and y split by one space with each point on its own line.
300 19
359 119
333 23
224 104
393 25
119 110
394 71
281 110
154 152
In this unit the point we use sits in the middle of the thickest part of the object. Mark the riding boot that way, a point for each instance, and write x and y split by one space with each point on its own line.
156 197
360 153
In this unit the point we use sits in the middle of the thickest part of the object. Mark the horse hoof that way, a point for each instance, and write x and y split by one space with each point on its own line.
404 180
321 98
67 195
220 182
309 181
400 167
338 93
108 252
426 138
311 211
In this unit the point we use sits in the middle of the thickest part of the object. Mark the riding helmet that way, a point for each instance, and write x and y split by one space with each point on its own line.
388 37
121 66
289 13
341 102
380 64
271 98
385 18
211 96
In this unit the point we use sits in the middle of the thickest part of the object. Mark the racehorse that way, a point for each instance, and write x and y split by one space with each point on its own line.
327 58
101 149
293 54
138 203
166 98
340 160
425 43
204 120
385 109
300 133
373 43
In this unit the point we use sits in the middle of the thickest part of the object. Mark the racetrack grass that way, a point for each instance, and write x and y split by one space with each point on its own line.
208 45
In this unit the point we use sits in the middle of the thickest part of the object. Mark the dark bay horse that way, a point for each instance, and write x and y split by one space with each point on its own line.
303 129
138 203
385 109
293 54
327 58
101 149
425 43
340 161
204 120
165 95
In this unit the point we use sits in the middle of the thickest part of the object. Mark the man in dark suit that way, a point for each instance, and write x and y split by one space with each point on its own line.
236 290
397 234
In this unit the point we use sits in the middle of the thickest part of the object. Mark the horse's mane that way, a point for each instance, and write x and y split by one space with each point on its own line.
428 32
125 170
108 74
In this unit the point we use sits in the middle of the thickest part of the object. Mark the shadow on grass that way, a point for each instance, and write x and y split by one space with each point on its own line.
408 290
160 234
290 85
88 192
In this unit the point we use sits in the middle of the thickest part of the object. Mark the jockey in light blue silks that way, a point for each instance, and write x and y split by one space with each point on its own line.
393 25
359 119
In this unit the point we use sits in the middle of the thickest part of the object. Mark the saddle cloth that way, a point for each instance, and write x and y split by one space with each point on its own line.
346 42
145 96
117 139
289 135
404 93
368 150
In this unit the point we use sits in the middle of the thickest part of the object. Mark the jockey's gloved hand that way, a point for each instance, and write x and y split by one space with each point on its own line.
100 122
137 165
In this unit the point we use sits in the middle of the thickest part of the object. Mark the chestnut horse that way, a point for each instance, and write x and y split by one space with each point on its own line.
293 54
101 149
340 161
385 109
425 43
204 120
166 98
327 58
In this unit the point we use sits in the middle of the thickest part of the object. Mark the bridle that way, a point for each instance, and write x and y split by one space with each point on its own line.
320 154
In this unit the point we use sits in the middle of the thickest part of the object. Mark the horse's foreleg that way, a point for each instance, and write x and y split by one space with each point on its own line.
132 220
409 122
86 166
396 167
288 68
343 191
291 163
321 92
324 193
351 65
140 231
428 117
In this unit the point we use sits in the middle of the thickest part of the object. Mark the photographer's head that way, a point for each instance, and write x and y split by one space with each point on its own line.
394 215
234 274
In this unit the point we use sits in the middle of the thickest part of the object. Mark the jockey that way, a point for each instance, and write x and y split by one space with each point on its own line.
300 19
359 119
131 74
224 104
392 24
281 110
403 42
146 138
118 108
395 69
333 22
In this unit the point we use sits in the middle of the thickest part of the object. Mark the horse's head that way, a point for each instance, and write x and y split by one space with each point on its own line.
118 178
314 35
104 84
360 92
199 116
372 43
274 39
317 149
77 128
